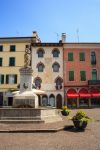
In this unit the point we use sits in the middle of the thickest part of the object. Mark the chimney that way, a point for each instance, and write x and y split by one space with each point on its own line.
36 38
63 37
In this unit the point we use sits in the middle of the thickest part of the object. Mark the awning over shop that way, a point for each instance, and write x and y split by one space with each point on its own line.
83 93
71 93
74 95
95 93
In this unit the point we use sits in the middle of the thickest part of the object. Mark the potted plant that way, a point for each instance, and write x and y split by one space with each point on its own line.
65 111
80 120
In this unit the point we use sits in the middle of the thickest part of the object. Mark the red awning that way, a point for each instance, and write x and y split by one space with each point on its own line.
95 95
84 95
73 95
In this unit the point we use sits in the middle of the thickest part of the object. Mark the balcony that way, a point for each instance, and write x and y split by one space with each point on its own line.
93 82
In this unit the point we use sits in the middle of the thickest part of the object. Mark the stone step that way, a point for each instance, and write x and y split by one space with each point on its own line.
22 121
20 118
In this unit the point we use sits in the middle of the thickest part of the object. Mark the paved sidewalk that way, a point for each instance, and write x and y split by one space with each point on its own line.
62 140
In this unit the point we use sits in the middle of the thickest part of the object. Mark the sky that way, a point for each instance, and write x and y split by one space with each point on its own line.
79 19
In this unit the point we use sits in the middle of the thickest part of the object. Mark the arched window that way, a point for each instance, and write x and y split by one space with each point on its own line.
55 67
40 67
44 100
52 100
38 82
94 74
58 82
40 52
55 52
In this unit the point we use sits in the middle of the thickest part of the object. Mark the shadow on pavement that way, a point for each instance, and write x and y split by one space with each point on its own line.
71 128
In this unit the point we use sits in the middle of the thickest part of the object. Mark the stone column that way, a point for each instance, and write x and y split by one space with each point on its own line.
78 102
89 100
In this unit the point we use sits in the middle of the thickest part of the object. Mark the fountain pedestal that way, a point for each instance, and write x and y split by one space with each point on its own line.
25 96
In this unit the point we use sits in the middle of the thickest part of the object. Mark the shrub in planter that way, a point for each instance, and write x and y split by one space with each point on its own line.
80 120
65 111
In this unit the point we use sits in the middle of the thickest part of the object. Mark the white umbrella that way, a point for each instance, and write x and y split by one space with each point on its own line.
35 91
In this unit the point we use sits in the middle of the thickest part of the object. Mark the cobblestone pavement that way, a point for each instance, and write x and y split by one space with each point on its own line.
62 140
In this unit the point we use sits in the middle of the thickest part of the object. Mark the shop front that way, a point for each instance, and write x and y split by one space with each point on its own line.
82 98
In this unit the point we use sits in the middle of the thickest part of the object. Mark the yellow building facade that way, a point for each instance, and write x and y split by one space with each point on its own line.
11 60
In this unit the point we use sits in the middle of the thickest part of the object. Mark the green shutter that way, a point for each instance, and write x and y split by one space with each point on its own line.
83 75
0 61
12 48
70 56
71 75
15 79
1 48
7 78
94 74
12 61
2 79
82 57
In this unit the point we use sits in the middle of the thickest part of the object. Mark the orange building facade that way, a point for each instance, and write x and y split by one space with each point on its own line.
81 74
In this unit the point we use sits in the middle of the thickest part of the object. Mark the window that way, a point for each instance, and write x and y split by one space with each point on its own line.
94 74
1 48
45 100
11 79
82 56
93 58
55 67
71 75
12 61
40 67
1 61
55 53
58 82
83 75
52 100
40 52
70 56
1 79
12 48
38 82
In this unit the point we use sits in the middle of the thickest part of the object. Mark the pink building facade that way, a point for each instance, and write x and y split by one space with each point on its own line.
81 74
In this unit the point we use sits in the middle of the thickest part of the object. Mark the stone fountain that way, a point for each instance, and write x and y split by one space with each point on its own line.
27 96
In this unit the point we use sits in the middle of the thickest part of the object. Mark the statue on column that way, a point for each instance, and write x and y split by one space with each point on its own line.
27 57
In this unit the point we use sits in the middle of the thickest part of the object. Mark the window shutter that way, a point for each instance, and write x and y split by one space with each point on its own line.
7 79
1 48
82 57
12 61
15 79
2 79
70 56
0 61
71 75
83 75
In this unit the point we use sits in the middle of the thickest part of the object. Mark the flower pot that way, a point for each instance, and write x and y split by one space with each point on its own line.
81 125
65 113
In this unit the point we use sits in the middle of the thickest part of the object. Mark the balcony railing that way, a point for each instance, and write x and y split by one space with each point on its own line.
93 82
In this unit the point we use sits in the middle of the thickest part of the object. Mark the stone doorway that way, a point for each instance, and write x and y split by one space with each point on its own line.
59 101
